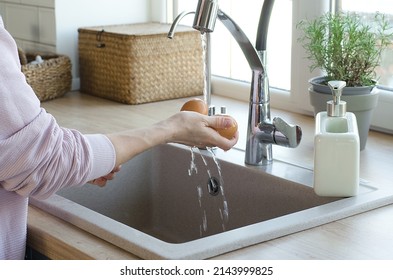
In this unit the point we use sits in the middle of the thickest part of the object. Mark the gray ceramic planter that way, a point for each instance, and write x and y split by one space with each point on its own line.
360 101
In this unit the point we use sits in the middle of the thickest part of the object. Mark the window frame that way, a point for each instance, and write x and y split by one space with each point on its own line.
296 99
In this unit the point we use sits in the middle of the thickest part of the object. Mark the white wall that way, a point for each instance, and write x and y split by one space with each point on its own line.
73 14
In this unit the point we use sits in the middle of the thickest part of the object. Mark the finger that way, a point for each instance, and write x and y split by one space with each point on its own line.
227 144
111 175
101 182
220 122
116 169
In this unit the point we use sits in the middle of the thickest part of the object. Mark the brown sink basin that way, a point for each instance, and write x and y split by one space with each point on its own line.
156 209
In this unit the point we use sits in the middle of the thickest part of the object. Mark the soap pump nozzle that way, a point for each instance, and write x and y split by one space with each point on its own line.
336 107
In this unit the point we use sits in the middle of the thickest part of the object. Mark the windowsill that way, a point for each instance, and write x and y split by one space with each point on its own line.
281 99
382 119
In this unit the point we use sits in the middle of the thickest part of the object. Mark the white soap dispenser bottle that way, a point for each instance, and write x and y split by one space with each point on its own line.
336 148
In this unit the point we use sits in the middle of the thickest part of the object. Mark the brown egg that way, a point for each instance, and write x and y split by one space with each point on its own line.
229 132
195 105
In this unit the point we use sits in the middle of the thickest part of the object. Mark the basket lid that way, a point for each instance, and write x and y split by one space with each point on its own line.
150 28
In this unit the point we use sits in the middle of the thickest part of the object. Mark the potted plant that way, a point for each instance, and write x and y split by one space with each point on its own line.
346 48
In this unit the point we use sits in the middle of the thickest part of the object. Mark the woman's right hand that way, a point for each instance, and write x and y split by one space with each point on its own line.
188 128
194 129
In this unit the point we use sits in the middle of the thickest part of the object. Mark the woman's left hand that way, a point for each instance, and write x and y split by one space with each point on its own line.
101 182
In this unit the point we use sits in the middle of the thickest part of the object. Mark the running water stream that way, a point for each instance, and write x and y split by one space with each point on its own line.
223 209
205 39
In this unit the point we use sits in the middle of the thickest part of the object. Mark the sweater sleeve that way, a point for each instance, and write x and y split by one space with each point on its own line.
37 156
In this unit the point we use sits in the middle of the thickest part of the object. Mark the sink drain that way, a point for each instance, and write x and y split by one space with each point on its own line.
213 186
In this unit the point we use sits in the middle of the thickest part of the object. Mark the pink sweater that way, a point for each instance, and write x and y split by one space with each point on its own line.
37 157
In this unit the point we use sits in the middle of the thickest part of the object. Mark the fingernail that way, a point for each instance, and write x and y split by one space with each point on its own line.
227 122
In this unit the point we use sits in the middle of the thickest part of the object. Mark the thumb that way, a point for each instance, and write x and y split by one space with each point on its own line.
221 122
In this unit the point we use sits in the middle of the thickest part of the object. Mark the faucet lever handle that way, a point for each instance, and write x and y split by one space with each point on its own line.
285 134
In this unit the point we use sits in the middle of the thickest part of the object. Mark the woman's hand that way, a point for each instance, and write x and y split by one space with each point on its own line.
194 129
189 128
101 182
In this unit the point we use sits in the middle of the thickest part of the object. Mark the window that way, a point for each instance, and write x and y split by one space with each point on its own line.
287 67
385 72
227 57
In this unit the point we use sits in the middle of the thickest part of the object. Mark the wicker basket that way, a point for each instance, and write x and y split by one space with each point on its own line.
137 63
49 79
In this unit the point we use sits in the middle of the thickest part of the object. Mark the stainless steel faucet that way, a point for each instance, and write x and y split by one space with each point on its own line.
262 130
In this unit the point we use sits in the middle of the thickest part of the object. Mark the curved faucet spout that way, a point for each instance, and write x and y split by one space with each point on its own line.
171 32
241 38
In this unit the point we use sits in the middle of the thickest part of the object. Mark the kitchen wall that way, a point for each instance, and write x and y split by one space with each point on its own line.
72 14
29 20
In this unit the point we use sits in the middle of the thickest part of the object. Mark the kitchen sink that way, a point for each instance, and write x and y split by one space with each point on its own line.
164 205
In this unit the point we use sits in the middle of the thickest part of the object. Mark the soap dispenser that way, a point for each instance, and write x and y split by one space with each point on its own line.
336 148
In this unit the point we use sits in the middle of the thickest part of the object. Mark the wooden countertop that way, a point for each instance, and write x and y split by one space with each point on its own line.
365 236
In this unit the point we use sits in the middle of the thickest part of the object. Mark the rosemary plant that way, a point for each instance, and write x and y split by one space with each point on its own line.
345 46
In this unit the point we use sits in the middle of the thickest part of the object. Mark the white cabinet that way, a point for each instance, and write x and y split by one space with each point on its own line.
41 3
12 1
47 26
31 22
22 22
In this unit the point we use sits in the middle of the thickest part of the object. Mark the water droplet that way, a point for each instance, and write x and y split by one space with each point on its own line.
224 212
193 167
204 221
200 193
